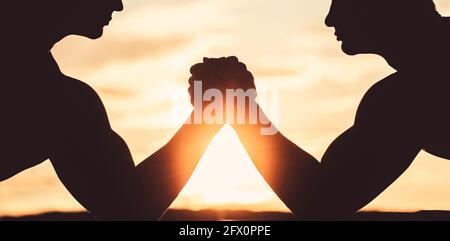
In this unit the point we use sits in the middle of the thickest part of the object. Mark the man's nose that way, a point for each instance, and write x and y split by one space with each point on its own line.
329 20
118 5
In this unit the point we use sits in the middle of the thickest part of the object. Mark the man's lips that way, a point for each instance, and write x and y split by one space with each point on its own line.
108 19
105 22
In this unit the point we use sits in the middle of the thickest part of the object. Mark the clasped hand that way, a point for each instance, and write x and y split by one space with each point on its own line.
222 90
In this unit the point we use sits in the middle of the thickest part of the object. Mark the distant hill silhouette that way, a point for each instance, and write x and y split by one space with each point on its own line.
215 215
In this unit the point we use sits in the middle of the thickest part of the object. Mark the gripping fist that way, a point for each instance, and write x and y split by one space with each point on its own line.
222 74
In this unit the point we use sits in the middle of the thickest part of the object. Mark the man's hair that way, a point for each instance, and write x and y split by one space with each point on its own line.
417 9
426 8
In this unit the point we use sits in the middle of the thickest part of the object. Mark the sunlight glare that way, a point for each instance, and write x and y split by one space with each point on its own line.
226 178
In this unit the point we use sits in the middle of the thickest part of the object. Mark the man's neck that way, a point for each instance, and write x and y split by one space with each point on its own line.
419 53
46 43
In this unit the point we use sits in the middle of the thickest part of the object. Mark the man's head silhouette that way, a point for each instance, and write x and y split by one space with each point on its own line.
380 26
87 17
55 19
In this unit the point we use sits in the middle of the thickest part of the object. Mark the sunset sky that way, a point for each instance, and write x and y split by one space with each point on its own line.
140 69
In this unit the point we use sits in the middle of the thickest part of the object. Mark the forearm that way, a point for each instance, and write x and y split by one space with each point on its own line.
164 174
287 168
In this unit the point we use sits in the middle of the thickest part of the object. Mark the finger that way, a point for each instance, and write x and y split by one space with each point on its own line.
232 59
206 60
245 80
211 60
241 66
250 80
191 94
238 71
197 68
192 79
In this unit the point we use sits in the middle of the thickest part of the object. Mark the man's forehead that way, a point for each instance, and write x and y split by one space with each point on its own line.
384 5
385 2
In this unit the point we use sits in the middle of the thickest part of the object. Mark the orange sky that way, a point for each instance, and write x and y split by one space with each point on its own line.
140 69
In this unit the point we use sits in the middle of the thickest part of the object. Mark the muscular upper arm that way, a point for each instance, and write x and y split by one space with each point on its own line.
371 155
91 160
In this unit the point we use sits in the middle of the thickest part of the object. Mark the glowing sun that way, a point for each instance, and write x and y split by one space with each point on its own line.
226 178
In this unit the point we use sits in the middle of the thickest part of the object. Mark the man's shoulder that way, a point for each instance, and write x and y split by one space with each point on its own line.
76 101
74 89
389 103
387 86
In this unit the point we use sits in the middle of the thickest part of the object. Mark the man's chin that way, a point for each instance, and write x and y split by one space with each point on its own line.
94 34
349 49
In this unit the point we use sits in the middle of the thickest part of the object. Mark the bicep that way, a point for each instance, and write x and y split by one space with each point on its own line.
359 167
361 163
370 156
92 161
96 171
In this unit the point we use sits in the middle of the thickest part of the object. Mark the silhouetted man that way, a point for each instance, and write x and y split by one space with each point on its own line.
398 117
47 115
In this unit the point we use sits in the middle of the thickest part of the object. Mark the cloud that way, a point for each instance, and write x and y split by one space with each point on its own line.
273 72
91 55
443 6
116 92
